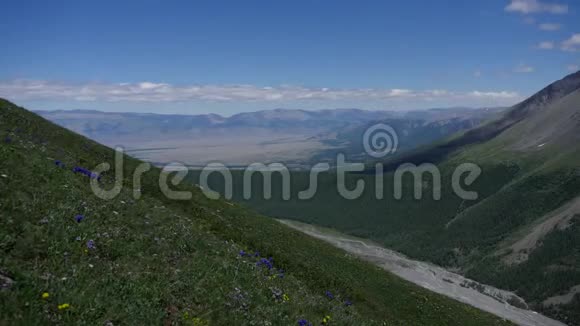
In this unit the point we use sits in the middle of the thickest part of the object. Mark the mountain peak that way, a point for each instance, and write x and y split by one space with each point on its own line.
546 96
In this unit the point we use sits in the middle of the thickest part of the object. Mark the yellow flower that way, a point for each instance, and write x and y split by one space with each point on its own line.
45 295
285 297
326 319
63 306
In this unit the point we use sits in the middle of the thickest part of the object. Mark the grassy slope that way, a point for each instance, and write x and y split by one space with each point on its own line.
157 260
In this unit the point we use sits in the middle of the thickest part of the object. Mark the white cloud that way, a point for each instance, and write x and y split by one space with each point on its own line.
550 27
573 68
502 94
524 69
546 45
535 6
148 92
572 44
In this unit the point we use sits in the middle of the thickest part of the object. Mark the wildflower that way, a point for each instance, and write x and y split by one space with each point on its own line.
242 253
285 298
329 295
304 322
257 254
79 218
91 244
325 320
265 262
45 295
276 294
63 306
347 303
86 172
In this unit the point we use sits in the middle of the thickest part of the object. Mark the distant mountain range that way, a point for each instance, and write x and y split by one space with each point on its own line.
294 136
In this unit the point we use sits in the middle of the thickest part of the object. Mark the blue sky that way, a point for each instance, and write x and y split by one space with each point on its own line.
227 57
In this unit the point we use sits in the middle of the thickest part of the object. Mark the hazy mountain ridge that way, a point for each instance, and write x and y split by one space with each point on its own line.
291 136
95 122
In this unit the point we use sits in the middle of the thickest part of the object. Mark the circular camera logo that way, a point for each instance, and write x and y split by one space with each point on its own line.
380 140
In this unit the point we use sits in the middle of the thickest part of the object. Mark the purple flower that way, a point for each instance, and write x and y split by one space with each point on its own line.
304 322
329 295
242 253
265 262
90 174
257 254
91 244
348 303
79 218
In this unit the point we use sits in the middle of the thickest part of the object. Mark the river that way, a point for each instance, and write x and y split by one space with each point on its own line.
432 277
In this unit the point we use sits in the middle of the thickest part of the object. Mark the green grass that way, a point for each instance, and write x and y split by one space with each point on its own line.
159 261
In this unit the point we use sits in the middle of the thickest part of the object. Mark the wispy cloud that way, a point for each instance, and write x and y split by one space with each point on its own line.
546 45
550 27
535 6
572 44
163 93
502 94
524 69
573 68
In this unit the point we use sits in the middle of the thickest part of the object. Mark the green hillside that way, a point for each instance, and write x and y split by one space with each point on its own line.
68 257
520 234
